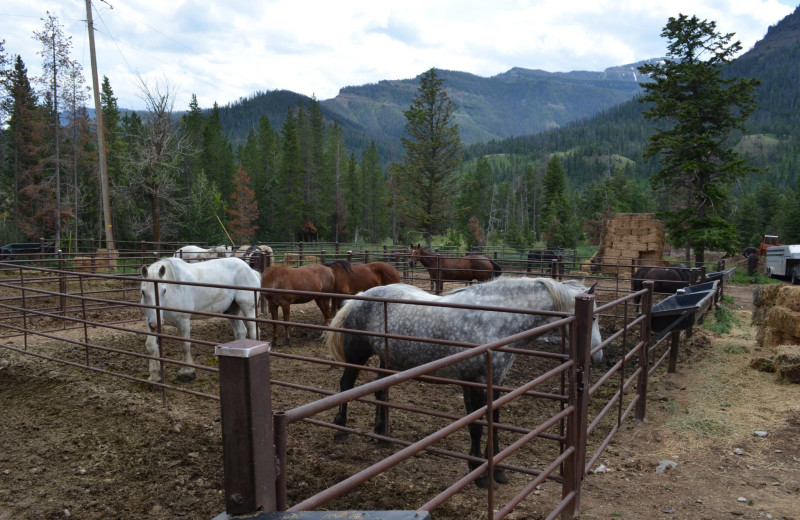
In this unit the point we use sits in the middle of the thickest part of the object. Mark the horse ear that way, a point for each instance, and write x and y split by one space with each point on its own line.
591 289
162 271
144 271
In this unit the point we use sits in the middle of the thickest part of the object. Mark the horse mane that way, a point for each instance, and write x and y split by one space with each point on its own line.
563 293
343 263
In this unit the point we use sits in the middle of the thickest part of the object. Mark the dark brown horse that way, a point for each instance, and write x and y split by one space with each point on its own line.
312 278
665 279
355 278
465 269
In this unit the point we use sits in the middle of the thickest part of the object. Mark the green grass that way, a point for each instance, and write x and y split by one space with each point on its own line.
704 426
741 277
722 321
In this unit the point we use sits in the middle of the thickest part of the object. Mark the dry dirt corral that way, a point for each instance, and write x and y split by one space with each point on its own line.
77 445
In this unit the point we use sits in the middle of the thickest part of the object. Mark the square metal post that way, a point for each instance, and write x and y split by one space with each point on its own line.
247 436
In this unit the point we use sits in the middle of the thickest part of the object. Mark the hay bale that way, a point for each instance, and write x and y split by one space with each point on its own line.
787 363
82 264
106 260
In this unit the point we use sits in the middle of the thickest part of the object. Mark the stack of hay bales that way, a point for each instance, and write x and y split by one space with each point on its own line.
106 260
628 236
777 316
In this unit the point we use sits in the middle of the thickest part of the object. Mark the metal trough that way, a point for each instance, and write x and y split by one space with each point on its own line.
680 311
701 287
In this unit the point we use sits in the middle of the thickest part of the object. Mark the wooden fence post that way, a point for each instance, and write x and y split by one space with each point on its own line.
247 436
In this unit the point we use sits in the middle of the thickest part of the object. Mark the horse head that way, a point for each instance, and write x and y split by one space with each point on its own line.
148 292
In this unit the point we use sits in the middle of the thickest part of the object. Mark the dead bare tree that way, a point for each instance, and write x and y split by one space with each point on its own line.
153 167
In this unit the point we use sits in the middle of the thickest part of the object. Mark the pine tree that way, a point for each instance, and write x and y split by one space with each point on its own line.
191 130
289 200
433 152
55 66
473 204
701 110
243 210
80 153
560 225
335 154
26 130
217 155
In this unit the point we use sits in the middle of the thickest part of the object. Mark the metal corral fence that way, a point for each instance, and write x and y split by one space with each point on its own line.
559 412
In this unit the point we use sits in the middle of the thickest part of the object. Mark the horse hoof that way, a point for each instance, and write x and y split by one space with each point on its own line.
500 476
482 481
287 343
339 436
186 377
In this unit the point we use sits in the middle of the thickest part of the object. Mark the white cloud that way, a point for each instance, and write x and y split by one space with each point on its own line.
221 51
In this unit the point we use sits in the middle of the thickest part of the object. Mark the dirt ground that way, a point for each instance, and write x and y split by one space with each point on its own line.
75 444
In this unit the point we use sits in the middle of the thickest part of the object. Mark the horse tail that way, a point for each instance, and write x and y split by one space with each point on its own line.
496 269
334 339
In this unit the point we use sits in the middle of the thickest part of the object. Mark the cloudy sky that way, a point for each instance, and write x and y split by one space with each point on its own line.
224 50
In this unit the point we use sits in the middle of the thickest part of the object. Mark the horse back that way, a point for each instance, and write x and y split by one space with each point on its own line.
312 278
386 273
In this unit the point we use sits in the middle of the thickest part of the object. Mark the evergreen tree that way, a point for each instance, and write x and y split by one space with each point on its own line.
289 200
433 152
26 130
354 195
149 193
374 185
701 110
191 130
560 225
217 155
265 176
205 204
243 210
335 158
81 157
56 63
473 204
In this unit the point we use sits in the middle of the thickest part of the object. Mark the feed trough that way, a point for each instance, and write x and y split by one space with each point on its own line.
701 287
680 311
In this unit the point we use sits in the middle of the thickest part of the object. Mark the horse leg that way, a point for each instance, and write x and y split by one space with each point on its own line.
357 351
381 411
472 401
499 473
324 305
246 308
475 398
347 382
286 315
239 328
273 312
186 373
151 345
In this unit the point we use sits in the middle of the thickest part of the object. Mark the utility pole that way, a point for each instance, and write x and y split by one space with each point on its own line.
101 142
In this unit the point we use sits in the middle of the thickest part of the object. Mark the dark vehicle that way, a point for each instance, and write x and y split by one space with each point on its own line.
24 248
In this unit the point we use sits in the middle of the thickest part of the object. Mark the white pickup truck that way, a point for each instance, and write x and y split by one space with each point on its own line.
784 261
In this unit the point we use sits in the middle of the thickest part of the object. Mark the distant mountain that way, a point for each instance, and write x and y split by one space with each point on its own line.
517 102
619 135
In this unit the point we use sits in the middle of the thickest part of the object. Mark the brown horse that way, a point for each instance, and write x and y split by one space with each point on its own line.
354 278
466 269
312 278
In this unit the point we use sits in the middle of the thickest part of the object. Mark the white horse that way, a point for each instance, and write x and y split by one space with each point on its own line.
197 253
237 301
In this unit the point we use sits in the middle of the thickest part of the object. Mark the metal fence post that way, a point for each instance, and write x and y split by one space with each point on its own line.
644 339
580 383
247 435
